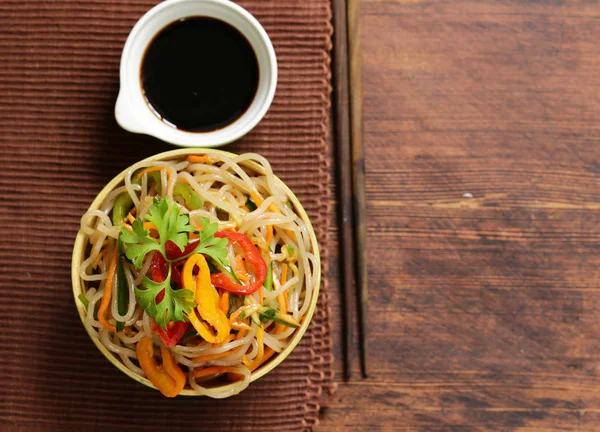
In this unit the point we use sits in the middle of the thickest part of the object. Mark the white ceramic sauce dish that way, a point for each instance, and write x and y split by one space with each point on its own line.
132 110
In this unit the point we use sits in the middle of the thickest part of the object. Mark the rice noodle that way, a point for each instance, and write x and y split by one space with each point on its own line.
225 185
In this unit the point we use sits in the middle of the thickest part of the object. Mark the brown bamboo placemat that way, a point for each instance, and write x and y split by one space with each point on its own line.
59 77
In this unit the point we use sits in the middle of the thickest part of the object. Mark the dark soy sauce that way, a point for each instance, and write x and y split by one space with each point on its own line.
199 74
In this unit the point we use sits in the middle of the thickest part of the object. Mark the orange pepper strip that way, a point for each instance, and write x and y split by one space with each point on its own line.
240 324
108 292
260 334
170 366
240 269
149 170
126 226
168 378
213 370
268 354
199 159
224 302
153 169
269 235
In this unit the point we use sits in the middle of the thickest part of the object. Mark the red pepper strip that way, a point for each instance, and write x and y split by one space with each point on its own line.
173 251
160 269
176 273
174 332
252 255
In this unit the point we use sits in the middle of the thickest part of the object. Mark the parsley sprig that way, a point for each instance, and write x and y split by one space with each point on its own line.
209 244
174 226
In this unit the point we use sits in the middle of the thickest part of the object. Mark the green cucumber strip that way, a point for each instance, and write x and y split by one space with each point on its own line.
83 299
121 207
277 317
188 195
251 204
269 279
122 289
225 269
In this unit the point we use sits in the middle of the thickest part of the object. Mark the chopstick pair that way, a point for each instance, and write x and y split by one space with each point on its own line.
351 171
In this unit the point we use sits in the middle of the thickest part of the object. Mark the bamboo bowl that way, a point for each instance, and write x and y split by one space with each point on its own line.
81 242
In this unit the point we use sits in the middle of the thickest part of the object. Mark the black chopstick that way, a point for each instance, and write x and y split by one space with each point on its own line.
356 136
344 173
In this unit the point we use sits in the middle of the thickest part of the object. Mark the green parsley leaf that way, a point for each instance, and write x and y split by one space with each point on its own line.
138 242
170 223
208 244
172 306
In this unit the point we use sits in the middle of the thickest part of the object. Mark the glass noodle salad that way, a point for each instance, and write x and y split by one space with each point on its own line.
197 271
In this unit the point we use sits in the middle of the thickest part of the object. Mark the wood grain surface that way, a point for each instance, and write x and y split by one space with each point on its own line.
482 140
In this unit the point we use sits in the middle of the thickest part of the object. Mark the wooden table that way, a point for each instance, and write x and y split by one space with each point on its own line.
482 123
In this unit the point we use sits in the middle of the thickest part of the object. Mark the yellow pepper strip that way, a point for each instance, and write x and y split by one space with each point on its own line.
260 335
168 378
224 303
108 292
199 159
261 296
207 300
150 226
282 299
130 218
